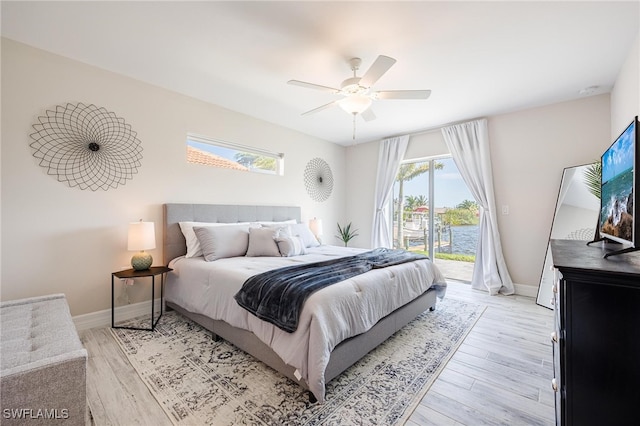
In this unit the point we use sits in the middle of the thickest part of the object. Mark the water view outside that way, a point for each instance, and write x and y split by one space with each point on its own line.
461 240
465 239
455 215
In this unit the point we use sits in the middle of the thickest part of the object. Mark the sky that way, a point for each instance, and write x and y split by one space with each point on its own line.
220 151
450 189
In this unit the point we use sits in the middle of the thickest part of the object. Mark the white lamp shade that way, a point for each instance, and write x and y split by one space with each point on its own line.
315 225
355 104
142 236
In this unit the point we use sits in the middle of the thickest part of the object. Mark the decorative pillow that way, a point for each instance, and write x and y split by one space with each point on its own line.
219 242
193 245
290 246
281 230
302 230
262 242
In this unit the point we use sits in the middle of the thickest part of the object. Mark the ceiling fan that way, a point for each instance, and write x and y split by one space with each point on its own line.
357 93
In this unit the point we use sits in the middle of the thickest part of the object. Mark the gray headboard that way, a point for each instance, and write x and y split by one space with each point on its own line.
174 244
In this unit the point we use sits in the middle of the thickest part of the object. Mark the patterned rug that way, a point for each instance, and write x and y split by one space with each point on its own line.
201 382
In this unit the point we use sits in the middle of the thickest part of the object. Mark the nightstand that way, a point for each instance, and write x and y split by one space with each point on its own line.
132 273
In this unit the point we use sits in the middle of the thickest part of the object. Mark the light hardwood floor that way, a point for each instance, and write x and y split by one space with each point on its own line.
500 375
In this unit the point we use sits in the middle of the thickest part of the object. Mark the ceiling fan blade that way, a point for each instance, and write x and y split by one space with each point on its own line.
403 94
368 114
313 86
379 67
320 108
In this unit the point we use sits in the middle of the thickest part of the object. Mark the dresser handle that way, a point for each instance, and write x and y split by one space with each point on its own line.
554 288
554 337
553 301
554 385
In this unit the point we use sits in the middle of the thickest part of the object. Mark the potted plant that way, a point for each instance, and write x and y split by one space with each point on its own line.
346 233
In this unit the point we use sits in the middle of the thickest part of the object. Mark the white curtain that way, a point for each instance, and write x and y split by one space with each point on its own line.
469 146
391 154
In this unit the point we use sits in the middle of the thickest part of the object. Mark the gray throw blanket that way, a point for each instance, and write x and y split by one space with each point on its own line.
278 296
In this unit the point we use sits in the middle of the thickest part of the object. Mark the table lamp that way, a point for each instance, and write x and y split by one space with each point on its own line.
315 225
142 236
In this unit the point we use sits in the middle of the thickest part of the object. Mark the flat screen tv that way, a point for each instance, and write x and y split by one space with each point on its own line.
619 220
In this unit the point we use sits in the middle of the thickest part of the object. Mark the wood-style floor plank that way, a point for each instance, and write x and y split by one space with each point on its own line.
508 360
425 416
116 394
500 375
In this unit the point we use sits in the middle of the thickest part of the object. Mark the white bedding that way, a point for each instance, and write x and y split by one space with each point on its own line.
329 316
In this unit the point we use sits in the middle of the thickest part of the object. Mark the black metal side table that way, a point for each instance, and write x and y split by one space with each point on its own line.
132 273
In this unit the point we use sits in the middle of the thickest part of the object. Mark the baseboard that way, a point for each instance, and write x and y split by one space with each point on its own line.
526 290
122 313
519 289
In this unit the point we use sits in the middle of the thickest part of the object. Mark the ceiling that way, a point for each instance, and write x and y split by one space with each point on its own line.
478 58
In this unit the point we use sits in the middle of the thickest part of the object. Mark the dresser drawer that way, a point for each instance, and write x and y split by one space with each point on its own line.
556 338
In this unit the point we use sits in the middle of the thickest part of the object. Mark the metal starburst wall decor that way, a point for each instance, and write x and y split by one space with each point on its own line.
86 147
318 179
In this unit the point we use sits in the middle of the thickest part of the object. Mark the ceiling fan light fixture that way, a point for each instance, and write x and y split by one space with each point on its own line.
351 86
358 93
355 104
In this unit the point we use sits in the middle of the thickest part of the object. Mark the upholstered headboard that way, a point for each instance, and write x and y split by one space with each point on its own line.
174 244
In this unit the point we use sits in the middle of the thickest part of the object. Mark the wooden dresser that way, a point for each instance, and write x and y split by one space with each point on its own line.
596 350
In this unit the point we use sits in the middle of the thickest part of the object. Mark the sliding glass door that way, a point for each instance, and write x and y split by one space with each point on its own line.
434 213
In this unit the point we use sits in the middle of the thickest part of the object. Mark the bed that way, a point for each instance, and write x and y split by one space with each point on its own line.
328 340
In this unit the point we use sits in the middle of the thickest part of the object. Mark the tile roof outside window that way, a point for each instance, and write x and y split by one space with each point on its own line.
197 156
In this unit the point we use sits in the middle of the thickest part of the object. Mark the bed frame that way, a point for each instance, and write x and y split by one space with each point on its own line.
342 357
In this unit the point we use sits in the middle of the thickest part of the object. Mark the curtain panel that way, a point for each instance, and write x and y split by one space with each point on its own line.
392 152
469 147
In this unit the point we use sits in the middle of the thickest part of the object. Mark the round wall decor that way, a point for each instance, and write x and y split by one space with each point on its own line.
86 147
318 179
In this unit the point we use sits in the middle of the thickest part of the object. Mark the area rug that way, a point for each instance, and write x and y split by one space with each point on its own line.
201 382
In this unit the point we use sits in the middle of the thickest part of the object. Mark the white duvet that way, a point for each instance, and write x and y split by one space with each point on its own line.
329 316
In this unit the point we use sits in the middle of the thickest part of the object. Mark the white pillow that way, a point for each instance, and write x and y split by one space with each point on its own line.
262 242
302 230
219 242
283 223
193 245
290 246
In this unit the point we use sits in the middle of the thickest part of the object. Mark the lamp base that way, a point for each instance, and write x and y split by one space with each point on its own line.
141 261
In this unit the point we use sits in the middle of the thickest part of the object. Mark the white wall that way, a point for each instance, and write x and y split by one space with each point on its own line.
625 96
57 239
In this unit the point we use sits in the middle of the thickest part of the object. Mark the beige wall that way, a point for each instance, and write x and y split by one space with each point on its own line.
529 150
57 239
60 239
362 161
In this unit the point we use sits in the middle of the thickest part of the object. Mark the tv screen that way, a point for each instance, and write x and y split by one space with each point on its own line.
617 199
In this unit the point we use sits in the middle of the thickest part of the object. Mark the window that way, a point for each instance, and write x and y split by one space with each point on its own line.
228 155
